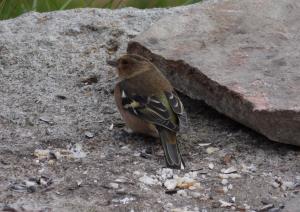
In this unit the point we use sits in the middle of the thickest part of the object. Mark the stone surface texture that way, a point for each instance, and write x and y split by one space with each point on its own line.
240 57
63 145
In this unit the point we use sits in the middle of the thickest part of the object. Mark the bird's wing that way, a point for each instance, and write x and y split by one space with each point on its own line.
178 108
148 108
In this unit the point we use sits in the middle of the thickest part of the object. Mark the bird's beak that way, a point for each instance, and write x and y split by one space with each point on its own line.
112 63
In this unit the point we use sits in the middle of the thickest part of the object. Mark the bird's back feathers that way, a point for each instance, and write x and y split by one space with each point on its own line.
147 94
170 145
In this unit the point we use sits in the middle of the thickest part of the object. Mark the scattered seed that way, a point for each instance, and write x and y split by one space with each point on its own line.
225 189
225 204
229 170
211 150
41 154
266 208
204 144
233 176
111 127
89 80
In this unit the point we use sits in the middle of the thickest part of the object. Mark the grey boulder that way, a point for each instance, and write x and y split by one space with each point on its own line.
240 57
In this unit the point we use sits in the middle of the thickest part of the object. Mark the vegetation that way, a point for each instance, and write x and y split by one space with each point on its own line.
13 8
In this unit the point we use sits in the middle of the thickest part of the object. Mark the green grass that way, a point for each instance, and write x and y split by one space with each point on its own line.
13 8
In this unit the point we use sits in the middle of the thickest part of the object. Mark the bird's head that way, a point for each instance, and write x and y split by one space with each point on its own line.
130 65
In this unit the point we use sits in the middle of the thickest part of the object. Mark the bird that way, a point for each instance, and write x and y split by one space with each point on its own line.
149 104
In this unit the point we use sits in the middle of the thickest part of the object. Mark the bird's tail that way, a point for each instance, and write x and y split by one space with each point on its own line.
172 153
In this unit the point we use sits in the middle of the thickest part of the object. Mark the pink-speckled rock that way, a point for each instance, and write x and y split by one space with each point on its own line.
240 57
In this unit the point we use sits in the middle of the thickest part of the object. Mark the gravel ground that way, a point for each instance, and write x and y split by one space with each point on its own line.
64 147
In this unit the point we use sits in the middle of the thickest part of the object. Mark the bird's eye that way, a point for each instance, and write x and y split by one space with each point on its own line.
124 62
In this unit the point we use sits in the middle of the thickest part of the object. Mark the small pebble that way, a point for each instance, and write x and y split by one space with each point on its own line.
232 199
211 166
137 173
192 174
114 185
41 170
195 194
169 205
45 181
121 180
148 180
30 183
274 210
89 134
251 168
275 184
170 184
224 182
111 127
225 189
247 207
79 182
182 193
265 201
166 173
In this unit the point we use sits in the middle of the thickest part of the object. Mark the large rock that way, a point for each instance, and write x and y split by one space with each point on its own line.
240 57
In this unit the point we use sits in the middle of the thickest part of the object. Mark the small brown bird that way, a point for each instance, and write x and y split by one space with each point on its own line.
149 104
